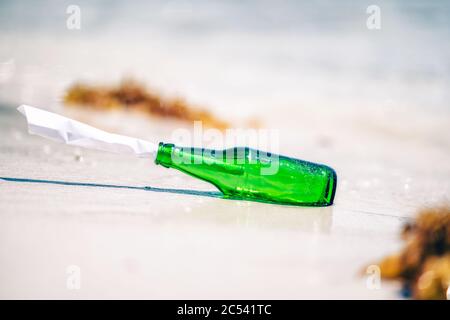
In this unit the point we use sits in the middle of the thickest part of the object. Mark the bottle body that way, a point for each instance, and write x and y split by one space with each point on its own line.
245 173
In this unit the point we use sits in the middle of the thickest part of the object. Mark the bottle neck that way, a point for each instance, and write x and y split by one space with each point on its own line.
164 154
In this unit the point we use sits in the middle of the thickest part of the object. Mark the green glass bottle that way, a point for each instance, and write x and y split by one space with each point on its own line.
244 173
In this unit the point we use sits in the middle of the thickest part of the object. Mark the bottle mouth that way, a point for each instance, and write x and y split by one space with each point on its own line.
164 154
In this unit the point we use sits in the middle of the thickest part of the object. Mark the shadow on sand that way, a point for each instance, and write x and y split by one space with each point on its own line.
212 194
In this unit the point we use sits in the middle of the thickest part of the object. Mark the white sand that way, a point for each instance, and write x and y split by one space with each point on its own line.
371 104
133 243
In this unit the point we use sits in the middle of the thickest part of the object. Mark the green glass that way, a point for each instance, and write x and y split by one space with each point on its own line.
244 173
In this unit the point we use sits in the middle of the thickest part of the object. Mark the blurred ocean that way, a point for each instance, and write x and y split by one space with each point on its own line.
235 57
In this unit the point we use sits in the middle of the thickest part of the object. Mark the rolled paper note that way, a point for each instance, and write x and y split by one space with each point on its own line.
55 127
239 173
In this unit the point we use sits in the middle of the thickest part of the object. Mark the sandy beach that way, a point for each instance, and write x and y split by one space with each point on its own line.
136 230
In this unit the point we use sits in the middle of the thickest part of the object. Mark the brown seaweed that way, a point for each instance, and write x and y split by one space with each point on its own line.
424 263
130 94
